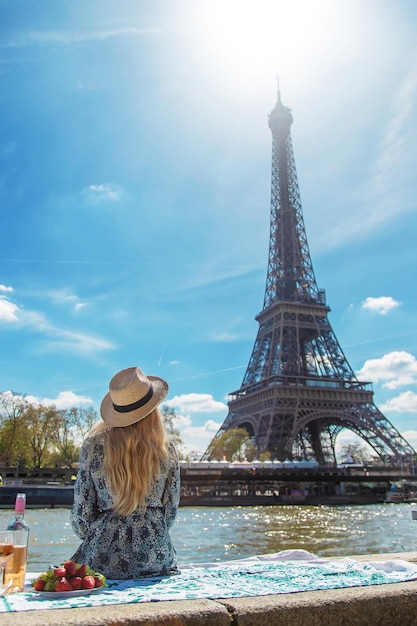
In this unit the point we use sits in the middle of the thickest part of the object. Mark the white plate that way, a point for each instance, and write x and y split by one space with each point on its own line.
67 594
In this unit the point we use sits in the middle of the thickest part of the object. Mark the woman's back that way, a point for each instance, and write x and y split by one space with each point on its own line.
123 520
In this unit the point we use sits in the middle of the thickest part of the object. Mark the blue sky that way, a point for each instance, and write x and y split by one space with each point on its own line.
135 164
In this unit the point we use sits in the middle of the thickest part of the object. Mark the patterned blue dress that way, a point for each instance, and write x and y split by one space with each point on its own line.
120 546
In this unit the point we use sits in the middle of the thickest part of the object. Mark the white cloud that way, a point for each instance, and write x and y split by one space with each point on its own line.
63 340
4 288
8 396
406 402
381 305
347 437
60 340
196 438
76 342
225 337
411 437
103 193
196 403
8 310
182 421
396 368
63 296
64 400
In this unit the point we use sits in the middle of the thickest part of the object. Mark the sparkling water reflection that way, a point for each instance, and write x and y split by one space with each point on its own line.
205 534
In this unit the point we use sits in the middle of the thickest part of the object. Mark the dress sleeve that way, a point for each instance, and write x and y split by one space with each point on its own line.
171 496
85 509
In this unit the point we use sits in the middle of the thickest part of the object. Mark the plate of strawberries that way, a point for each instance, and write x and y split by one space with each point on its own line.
68 580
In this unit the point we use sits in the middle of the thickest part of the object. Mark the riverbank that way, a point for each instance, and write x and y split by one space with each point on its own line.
382 605
54 496
230 484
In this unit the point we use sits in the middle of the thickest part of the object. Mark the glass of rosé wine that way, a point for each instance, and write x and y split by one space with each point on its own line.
6 553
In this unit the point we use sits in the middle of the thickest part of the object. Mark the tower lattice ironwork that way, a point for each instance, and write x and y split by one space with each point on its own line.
299 390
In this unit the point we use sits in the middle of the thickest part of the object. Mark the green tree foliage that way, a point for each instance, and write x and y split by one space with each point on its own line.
264 456
232 445
40 427
33 435
12 424
66 450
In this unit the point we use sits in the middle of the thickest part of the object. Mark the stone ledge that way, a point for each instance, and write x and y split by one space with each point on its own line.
382 605
175 613
377 605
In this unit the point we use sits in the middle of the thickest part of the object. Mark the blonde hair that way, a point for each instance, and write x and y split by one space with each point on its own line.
132 460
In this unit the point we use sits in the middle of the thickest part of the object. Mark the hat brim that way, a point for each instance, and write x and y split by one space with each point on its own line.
114 418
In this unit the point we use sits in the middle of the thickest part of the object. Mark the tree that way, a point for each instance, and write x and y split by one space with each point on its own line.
173 432
40 427
67 451
34 435
354 453
191 456
81 420
12 427
231 445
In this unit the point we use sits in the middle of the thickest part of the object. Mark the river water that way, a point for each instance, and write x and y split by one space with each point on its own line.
203 534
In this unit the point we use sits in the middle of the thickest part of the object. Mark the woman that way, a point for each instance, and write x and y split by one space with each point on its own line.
128 485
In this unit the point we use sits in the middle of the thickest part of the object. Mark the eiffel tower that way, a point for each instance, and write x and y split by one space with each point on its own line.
299 391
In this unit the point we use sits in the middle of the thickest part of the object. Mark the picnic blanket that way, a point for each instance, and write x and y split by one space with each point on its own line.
288 571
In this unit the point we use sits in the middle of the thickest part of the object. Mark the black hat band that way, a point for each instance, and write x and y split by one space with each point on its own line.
127 408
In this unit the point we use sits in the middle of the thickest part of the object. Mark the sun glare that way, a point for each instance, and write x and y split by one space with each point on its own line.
267 35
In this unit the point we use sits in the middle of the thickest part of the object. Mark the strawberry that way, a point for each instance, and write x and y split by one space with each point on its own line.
51 581
76 582
82 571
63 584
98 580
60 572
70 567
39 585
89 582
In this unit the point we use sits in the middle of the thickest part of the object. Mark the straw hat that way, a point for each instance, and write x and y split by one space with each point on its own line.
132 396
